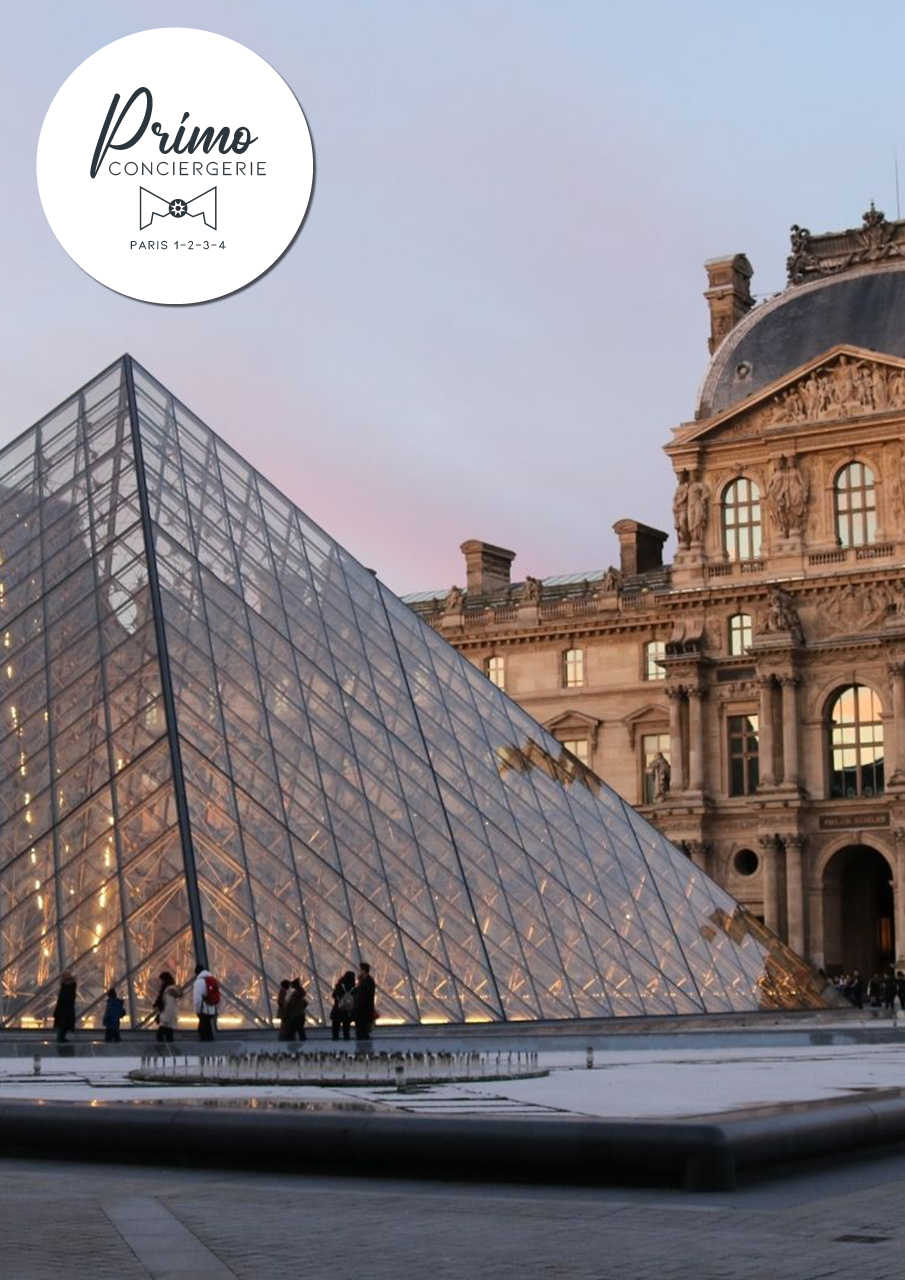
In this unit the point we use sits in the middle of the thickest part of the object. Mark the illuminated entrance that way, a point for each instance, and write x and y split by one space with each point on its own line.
858 911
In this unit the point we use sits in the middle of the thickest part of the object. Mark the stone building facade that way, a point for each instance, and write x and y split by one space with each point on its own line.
750 696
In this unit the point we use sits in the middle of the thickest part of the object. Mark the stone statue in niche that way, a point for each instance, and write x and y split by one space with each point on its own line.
660 773
455 599
680 511
787 497
698 507
533 588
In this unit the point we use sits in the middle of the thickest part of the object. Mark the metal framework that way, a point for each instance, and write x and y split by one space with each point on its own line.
224 739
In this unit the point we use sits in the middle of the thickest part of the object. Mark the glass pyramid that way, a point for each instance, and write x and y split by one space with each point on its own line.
223 738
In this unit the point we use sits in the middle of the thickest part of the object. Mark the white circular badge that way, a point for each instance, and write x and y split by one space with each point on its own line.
175 166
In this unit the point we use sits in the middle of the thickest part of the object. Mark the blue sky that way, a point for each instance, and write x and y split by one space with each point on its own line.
493 315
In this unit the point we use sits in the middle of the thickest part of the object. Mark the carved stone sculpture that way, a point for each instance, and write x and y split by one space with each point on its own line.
533 588
845 389
856 608
698 507
801 258
454 601
782 616
661 774
612 580
787 497
680 510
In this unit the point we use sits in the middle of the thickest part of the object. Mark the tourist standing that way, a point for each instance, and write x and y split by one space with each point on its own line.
167 1007
296 1003
365 993
281 1008
206 1001
64 1010
873 991
343 1005
889 991
114 1013
900 987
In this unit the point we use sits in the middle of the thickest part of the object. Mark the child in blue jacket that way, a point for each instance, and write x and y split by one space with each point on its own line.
113 1015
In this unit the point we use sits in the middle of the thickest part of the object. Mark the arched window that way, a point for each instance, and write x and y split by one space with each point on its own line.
856 506
740 633
573 668
856 743
741 519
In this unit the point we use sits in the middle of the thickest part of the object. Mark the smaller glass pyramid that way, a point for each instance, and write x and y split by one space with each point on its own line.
223 738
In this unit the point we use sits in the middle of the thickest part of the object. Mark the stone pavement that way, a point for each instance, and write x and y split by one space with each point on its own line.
80 1222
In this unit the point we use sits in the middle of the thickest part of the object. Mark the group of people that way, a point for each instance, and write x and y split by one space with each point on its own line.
353 1002
205 1000
880 992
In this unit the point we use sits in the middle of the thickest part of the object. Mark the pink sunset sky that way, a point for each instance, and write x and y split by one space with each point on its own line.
493 314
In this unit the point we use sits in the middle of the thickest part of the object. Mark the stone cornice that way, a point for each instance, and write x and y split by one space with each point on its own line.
667 608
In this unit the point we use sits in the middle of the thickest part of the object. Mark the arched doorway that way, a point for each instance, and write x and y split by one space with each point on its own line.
858 911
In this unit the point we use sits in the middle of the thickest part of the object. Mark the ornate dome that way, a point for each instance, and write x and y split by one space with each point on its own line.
846 287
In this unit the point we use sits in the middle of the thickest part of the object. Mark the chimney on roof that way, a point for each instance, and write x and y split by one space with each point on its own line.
640 547
728 294
488 568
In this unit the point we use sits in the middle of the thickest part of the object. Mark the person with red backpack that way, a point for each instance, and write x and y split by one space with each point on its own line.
206 999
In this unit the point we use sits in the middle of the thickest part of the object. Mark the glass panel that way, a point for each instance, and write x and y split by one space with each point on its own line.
355 787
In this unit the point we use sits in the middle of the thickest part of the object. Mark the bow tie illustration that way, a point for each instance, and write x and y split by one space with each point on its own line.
151 206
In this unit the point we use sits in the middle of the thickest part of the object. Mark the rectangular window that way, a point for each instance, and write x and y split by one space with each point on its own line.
654 653
740 633
652 745
573 668
579 749
495 671
743 770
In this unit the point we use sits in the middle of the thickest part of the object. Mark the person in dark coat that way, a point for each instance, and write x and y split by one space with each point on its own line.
364 1014
343 1005
888 990
114 1013
281 1006
900 987
856 990
64 1010
292 1023
873 991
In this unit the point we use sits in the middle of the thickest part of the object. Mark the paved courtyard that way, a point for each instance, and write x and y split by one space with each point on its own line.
665 1080
841 1220
125 1223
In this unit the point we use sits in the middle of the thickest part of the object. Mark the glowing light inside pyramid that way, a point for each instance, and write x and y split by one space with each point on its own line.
222 735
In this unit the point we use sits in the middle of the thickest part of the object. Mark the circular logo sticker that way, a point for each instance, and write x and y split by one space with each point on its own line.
175 166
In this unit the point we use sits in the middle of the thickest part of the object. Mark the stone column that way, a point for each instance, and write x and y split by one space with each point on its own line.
769 856
765 733
695 739
676 695
899 897
796 901
790 774
896 672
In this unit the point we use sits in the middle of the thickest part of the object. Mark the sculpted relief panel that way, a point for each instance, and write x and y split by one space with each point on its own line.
847 387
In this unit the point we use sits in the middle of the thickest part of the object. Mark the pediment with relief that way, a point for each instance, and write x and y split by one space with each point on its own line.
847 382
